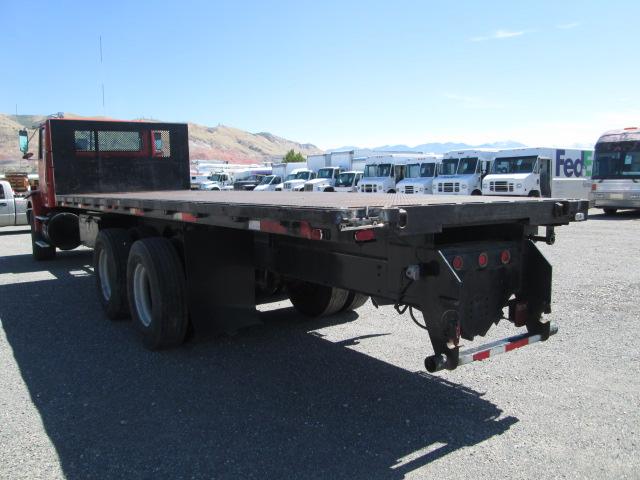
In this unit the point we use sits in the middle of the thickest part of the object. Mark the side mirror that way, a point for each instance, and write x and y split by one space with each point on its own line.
23 135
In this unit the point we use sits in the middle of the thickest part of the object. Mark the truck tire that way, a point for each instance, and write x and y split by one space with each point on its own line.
534 193
110 255
39 253
315 300
610 211
476 192
354 301
157 292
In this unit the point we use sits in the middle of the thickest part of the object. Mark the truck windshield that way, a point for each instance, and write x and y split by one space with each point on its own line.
267 180
303 175
514 165
385 170
325 173
467 166
345 179
217 177
416 170
371 171
617 160
291 176
449 166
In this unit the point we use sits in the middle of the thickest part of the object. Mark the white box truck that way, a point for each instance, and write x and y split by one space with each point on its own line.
419 175
461 172
383 172
540 172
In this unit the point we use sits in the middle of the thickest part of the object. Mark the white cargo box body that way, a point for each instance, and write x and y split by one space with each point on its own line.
541 171
344 160
317 161
284 169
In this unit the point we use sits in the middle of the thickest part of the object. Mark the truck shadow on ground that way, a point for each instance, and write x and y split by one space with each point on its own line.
4 233
272 402
621 215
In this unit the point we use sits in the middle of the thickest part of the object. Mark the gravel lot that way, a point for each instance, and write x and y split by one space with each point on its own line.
340 398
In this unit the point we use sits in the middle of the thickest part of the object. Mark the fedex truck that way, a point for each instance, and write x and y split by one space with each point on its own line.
540 172
419 175
461 172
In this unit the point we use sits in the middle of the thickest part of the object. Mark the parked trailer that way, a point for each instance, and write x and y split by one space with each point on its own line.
616 170
157 247
535 172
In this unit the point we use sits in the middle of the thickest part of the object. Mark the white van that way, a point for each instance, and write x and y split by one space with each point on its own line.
419 175
540 172
383 172
268 183
461 172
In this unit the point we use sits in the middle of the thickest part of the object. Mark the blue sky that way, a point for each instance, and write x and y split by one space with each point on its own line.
334 72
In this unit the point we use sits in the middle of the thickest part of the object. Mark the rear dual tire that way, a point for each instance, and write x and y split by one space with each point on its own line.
110 255
314 300
145 281
157 292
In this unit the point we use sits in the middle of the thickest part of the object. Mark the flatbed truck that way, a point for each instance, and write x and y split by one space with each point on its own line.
173 259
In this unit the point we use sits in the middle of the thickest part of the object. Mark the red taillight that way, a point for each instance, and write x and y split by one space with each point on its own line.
631 128
505 257
483 260
594 186
457 262
364 235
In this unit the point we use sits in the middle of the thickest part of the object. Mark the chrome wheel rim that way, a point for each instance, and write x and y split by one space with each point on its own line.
103 272
142 294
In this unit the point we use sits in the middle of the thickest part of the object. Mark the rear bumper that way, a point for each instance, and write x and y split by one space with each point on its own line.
618 200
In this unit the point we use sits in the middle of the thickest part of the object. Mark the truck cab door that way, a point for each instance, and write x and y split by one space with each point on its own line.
545 177
485 166
6 209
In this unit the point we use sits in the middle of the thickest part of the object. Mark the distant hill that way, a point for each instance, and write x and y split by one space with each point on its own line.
437 147
205 143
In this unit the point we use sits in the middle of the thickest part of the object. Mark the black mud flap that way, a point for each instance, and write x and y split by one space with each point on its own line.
535 291
220 280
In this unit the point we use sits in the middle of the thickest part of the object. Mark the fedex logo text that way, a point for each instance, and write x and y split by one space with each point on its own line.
570 167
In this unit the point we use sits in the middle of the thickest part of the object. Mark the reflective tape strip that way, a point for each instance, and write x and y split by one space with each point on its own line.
185 217
492 349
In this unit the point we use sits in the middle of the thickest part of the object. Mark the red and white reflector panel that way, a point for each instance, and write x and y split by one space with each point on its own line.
505 345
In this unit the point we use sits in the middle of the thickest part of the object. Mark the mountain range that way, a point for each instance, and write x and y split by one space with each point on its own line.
219 143
436 147
205 143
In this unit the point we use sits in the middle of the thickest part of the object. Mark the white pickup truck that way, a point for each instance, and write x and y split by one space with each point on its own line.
13 211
